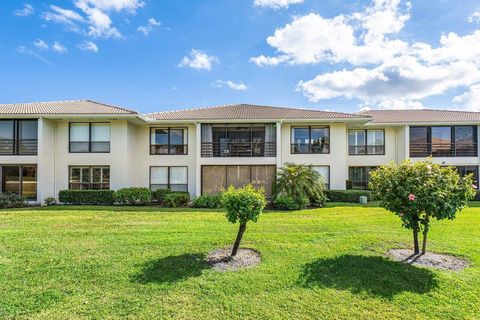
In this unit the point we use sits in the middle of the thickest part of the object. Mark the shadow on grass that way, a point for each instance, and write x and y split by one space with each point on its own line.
376 276
172 268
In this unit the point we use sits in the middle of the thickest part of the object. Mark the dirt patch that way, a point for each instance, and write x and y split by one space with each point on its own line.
433 260
220 259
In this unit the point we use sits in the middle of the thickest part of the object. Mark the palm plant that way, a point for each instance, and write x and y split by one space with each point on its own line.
299 182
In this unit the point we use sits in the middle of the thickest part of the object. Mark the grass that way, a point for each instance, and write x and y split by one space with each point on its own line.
145 263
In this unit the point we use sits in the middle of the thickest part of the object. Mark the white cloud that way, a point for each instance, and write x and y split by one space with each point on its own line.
68 18
57 47
152 23
239 86
25 51
100 22
474 17
88 46
40 44
469 100
275 4
115 5
26 11
198 60
378 68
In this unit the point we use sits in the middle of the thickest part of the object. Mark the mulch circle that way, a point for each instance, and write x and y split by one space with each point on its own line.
432 260
220 260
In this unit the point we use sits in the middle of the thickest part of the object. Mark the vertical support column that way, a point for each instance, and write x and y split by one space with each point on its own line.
198 167
279 144
407 142
46 160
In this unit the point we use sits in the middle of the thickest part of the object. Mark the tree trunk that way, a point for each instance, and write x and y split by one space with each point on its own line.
416 248
241 230
424 245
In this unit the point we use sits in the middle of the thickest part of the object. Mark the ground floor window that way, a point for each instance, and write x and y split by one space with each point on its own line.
465 170
324 171
173 178
20 179
358 177
217 178
89 178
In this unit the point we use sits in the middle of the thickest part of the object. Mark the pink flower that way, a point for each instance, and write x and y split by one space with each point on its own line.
474 186
411 197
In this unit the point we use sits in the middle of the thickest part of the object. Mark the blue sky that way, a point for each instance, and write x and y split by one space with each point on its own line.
170 54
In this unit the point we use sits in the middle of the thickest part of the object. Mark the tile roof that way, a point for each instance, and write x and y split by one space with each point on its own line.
247 111
420 116
63 107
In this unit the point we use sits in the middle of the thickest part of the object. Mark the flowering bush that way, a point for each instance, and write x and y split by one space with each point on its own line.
421 191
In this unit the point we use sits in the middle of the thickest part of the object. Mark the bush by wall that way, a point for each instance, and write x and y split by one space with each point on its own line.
134 196
87 196
290 203
176 199
210 201
348 195
11 200
159 195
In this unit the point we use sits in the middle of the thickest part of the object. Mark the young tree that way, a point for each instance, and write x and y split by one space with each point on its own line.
243 205
300 181
421 191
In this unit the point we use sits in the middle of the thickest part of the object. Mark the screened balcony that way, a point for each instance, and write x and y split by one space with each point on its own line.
443 141
238 140
18 137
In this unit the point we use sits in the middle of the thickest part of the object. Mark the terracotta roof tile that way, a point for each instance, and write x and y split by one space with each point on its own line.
421 116
63 107
247 111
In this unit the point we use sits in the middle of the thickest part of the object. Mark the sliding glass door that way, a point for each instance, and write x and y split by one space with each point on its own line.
20 179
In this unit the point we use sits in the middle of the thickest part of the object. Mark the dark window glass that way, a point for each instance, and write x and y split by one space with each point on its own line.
89 178
466 170
18 137
21 180
168 141
465 141
419 142
358 177
306 140
441 141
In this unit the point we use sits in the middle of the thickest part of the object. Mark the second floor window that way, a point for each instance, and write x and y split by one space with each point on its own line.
18 137
89 137
370 142
443 141
168 141
310 139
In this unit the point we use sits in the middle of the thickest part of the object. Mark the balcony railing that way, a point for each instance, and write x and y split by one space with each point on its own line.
18 147
239 149
366 150
420 150
172 149
307 148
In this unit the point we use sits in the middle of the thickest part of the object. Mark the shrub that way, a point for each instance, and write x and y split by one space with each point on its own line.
211 201
300 181
159 195
421 191
176 199
348 195
135 196
50 201
11 200
289 203
86 196
243 205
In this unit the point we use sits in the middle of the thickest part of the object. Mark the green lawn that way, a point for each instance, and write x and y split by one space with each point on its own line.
117 263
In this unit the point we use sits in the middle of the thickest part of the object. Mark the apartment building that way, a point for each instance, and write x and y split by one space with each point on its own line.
46 147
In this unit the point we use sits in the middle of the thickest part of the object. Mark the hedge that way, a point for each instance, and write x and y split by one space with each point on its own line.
11 200
209 201
176 199
87 196
348 195
160 194
290 203
135 196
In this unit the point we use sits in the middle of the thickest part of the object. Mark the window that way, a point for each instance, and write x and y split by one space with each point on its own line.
168 141
443 141
20 179
370 142
324 171
18 137
311 139
173 178
358 177
465 170
89 178
89 137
